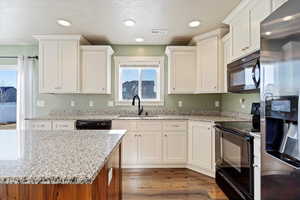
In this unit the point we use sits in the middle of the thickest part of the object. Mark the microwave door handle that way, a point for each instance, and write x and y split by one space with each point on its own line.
256 82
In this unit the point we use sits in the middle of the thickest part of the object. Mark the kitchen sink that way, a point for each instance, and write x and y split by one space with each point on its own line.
135 115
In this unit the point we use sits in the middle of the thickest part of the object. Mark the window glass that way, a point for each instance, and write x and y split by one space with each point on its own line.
149 83
8 98
129 82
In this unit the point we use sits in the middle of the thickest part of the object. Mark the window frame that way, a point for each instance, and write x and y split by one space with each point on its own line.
138 61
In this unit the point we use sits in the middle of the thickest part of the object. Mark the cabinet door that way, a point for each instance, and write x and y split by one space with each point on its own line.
94 72
258 12
277 3
175 147
208 65
49 66
227 60
183 72
150 148
240 34
69 68
201 145
130 149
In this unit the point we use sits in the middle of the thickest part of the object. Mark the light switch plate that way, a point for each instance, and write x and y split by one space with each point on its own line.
91 103
217 104
40 103
110 104
72 103
179 104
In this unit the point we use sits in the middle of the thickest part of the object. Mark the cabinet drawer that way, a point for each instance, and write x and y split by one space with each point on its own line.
129 125
175 126
63 125
149 125
40 125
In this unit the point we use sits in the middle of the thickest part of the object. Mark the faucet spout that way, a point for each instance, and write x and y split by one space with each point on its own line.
140 108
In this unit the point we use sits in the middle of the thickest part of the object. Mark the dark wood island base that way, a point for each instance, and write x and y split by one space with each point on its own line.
106 186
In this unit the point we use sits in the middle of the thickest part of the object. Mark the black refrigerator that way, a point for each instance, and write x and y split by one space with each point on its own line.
280 89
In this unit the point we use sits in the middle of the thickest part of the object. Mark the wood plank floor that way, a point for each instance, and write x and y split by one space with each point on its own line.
169 184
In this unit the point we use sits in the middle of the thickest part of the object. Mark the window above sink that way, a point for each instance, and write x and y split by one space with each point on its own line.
143 76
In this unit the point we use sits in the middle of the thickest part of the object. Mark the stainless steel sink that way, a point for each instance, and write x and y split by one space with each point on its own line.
135 116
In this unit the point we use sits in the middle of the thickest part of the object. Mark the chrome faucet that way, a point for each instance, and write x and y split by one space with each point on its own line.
140 108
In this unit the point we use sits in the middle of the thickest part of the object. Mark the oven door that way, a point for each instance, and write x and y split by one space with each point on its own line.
234 160
245 77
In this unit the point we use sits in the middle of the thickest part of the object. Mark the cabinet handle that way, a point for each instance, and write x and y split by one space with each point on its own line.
166 135
244 49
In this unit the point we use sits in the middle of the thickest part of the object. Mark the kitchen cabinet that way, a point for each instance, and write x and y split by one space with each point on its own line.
244 23
153 143
201 146
226 58
181 69
59 63
277 3
96 69
210 67
257 168
175 145
150 148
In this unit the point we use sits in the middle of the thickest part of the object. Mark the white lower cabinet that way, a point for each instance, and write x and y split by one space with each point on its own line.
130 149
175 147
201 146
257 169
150 148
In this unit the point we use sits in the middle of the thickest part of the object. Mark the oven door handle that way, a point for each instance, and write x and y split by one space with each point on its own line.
222 130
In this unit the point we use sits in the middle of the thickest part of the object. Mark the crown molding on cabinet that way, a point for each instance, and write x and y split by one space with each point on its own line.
62 37
235 11
220 32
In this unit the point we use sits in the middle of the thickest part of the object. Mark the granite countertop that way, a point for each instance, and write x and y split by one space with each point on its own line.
205 118
55 157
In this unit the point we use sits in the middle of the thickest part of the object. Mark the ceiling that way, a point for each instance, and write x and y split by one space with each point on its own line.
101 21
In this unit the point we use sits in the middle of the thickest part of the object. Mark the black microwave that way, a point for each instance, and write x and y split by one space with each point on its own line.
243 75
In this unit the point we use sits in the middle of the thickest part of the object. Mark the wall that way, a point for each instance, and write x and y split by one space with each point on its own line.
203 102
231 102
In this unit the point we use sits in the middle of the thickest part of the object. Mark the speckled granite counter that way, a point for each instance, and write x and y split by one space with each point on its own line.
61 157
207 118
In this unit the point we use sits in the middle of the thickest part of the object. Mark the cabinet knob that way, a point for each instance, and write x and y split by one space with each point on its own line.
166 135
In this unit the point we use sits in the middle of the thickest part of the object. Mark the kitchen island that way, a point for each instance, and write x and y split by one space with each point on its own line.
60 165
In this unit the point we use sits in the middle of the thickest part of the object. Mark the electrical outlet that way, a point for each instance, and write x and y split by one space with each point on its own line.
217 104
72 103
110 103
40 103
179 104
91 103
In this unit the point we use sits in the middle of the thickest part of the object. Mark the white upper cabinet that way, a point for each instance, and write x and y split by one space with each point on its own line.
59 63
244 24
210 64
227 57
277 3
259 10
96 69
181 69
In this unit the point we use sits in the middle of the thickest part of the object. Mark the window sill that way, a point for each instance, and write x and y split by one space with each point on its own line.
143 103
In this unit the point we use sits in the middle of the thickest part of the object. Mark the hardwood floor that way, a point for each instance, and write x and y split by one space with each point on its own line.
169 184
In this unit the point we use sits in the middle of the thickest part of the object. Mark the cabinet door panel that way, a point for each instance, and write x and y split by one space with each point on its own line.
183 76
94 72
69 66
208 65
130 149
175 147
150 148
240 34
49 66
258 12
200 146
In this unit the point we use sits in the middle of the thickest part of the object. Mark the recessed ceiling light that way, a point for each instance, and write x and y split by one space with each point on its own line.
139 39
268 33
288 18
63 22
129 22
194 24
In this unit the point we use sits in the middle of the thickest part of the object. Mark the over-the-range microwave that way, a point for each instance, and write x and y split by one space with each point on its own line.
243 76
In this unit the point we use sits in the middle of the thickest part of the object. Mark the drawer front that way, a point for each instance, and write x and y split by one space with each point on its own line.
175 126
63 125
149 125
129 125
40 125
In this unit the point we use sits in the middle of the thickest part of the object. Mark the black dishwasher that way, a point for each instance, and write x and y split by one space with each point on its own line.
93 124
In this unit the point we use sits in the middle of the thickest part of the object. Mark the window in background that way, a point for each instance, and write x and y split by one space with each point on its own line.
8 97
141 76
